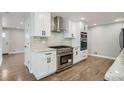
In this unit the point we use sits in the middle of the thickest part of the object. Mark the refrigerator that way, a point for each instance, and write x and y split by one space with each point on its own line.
83 41
121 39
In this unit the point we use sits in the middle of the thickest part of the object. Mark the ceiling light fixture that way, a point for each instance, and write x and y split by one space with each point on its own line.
116 20
82 18
116 72
94 24
119 20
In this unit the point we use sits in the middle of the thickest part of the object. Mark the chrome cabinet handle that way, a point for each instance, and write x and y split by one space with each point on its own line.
48 60
76 53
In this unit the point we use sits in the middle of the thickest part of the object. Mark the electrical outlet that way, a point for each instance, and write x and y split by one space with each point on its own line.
95 53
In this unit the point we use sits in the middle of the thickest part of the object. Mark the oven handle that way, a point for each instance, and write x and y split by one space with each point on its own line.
70 53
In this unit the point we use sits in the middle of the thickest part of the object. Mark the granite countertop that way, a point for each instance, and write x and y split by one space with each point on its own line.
116 71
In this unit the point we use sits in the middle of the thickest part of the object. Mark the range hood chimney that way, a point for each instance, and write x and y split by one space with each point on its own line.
57 24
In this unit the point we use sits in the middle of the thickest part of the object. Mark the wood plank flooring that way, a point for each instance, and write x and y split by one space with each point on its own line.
92 69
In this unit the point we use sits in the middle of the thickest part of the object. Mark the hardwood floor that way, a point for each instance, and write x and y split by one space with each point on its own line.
92 69
13 68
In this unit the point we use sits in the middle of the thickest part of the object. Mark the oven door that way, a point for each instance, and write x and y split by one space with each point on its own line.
65 60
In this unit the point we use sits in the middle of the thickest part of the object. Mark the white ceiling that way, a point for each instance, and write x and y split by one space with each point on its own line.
13 19
91 18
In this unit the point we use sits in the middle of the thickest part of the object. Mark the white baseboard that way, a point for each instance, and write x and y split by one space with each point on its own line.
16 52
102 56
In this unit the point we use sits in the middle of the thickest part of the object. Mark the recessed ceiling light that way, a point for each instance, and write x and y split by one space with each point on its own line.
116 72
94 24
119 20
82 18
116 20
21 22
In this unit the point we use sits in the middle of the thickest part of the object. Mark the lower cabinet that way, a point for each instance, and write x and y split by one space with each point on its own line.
79 55
43 64
83 54
76 55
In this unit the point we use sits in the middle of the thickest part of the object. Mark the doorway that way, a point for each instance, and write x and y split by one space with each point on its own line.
5 42
15 48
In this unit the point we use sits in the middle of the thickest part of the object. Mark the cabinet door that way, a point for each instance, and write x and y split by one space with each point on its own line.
39 65
38 23
74 29
42 24
70 29
84 55
53 64
43 66
51 60
47 24
76 55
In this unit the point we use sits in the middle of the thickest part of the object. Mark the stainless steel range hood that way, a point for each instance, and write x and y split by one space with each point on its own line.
57 24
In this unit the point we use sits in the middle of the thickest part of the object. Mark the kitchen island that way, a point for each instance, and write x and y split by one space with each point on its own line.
116 71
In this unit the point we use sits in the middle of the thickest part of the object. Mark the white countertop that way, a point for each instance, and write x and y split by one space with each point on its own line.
44 50
116 71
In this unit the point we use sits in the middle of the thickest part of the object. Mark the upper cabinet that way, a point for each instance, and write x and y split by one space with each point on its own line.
70 31
83 27
41 24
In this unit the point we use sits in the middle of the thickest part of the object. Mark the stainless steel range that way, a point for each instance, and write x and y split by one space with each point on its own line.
64 57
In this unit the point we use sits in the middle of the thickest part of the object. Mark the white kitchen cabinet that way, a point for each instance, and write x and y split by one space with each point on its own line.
83 54
41 24
83 27
43 63
70 29
50 58
76 55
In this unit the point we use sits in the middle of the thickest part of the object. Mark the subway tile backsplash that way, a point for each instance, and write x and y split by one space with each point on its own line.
54 40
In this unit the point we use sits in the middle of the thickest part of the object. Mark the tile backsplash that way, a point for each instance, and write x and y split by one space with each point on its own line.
54 40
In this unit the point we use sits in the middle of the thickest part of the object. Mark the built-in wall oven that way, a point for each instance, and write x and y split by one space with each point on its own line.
83 41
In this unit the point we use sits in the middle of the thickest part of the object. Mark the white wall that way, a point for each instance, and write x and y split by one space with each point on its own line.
0 42
16 40
105 40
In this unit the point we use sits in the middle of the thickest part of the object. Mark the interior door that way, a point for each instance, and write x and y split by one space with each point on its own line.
27 43
5 42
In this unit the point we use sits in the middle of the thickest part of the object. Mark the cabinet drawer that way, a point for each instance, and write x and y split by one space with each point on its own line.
85 51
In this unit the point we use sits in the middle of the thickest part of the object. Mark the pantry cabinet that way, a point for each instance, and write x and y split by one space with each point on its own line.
43 63
70 31
41 24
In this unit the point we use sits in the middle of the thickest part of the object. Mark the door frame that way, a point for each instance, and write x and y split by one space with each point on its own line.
27 50
1 56
5 49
